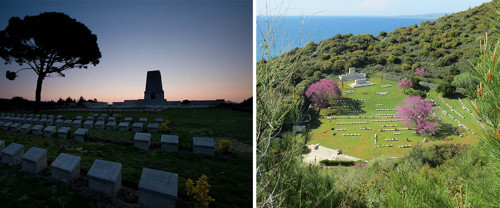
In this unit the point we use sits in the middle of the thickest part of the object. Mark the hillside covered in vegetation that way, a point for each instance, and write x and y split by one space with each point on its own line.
437 175
444 47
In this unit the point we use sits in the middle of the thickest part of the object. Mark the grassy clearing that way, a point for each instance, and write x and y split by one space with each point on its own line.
363 146
230 177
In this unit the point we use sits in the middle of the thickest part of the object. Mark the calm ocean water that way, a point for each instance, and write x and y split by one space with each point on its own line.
294 31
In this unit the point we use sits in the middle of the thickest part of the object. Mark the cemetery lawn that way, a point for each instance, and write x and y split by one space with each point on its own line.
363 146
229 175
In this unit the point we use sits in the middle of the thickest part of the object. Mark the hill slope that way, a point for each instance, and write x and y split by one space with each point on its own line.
444 47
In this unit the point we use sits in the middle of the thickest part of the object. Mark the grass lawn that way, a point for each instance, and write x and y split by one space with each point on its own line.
230 175
363 146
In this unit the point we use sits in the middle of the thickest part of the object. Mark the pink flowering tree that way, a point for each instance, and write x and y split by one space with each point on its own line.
320 93
417 113
405 84
419 71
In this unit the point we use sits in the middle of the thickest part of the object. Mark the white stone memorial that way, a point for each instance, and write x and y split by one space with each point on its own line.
65 168
34 160
11 155
105 177
203 146
143 120
142 140
169 143
359 78
157 188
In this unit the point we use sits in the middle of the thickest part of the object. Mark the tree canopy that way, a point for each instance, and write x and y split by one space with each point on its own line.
48 44
417 113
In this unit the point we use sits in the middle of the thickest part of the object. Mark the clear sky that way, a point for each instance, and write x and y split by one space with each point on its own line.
363 7
202 48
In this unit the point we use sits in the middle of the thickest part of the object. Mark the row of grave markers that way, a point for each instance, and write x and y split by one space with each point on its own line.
169 143
99 124
156 188
473 116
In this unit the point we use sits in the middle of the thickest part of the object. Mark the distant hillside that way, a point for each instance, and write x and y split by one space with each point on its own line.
444 47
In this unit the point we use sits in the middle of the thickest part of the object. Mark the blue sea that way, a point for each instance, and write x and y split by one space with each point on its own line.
295 31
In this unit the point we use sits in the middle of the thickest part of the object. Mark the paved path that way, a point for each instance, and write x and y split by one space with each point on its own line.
319 153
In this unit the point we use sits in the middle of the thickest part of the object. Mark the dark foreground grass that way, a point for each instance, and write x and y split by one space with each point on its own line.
230 175
20 190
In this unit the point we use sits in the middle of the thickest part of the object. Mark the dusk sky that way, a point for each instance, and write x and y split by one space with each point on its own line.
202 48
364 7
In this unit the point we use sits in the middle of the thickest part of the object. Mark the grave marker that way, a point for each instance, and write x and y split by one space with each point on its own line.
34 160
81 134
11 155
65 168
63 132
169 143
157 188
142 140
105 177
37 130
49 131
203 145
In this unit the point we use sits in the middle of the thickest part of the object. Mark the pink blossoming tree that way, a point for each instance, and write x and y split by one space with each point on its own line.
417 113
320 93
419 71
405 84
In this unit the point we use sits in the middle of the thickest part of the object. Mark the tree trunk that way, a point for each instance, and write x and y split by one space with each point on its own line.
38 92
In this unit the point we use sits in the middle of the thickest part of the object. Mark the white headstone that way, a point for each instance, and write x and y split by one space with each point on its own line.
157 188
169 143
65 168
34 160
105 177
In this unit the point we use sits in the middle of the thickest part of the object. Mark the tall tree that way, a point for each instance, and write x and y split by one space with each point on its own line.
417 113
48 44
405 84
320 93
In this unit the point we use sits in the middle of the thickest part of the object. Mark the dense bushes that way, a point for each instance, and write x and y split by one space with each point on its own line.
337 163
446 89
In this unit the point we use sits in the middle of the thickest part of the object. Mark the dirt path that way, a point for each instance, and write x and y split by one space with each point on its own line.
319 153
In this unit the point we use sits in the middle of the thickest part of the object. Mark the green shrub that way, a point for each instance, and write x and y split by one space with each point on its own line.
337 163
446 89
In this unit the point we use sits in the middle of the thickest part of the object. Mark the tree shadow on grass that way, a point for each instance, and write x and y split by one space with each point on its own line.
315 122
353 108
444 130
455 96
